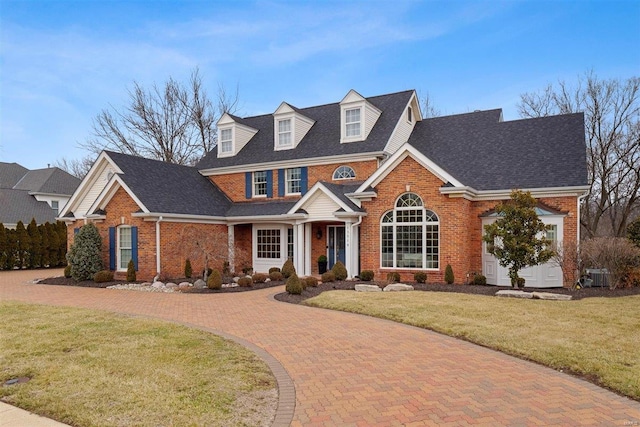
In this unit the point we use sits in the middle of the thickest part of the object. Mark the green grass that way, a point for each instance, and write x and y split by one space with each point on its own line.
598 338
92 368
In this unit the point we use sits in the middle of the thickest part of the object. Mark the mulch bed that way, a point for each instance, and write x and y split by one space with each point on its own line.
350 285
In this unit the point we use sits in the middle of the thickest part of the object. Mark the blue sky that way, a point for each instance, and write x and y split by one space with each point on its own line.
62 62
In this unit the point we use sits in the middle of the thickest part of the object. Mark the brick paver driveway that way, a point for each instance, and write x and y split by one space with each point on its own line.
355 370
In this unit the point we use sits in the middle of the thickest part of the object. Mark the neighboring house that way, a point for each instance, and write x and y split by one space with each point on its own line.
366 181
26 194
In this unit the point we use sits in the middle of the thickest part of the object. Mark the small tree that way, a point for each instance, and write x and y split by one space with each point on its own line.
4 247
515 237
448 274
35 245
188 271
131 271
85 254
23 243
46 242
566 255
54 244
288 268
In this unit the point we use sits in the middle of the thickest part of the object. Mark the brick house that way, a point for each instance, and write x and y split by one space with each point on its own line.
366 181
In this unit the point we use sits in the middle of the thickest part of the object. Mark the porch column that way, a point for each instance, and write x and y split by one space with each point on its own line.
354 269
231 245
348 253
308 229
298 248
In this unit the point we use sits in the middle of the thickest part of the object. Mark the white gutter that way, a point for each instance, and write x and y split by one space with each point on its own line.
158 245
353 226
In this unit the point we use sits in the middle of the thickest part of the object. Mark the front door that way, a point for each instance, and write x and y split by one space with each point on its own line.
335 244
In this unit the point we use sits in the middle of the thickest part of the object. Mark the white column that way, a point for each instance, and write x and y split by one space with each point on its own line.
308 230
348 254
353 269
231 245
298 248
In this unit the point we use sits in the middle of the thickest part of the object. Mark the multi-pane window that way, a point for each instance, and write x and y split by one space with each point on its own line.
124 247
55 206
284 133
290 243
268 242
293 177
409 235
344 172
260 183
226 140
352 122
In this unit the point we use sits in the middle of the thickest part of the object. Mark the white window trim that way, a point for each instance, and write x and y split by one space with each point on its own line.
409 115
263 264
344 123
287 180
253 185
222 153
291 132
57 207
333 176
119 247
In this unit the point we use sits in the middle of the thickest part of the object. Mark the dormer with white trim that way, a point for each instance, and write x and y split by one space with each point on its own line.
289 127
357 117
405 125
232 135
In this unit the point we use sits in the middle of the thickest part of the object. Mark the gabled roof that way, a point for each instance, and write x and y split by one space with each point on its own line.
340 191
10 174
48 181
18 205
485 153
169 188
322 140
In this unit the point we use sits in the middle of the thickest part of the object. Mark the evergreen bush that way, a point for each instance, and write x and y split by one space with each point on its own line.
85 256
35 245
479 279
276 276
366 275
272 269
393 277
4 247
294 285
259 278
420 277
131 271
215 280
103 276
188 271
67 271
448 274
245 282
23 243
311 281
328 276
339 270
288 269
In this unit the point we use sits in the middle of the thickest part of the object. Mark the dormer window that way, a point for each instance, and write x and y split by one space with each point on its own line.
357 117
409 115
284 133
352 123
226 141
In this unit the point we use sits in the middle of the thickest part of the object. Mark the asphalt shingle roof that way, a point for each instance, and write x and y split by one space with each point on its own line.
170 188
323 139
276 207
484 153
10 174
49 181
18 205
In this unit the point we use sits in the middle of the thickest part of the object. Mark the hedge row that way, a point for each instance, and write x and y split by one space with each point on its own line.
35 246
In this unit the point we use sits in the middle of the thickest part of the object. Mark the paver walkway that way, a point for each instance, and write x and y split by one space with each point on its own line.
356 370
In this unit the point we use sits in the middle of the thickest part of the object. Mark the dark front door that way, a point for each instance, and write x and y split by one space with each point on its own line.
336 244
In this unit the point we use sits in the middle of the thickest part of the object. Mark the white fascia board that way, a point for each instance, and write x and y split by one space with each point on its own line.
407 150
349 214
286 218
172 217
400 120
109 191
362 196
318 187
475 195
36 193
315 161
352 96
88 181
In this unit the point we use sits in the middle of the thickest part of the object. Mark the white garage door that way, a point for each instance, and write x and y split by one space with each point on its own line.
546 275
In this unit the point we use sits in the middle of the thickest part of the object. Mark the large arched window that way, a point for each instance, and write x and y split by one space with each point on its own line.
409 235
344 172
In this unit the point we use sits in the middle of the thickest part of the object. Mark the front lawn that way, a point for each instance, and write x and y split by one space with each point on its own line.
597 338
91 368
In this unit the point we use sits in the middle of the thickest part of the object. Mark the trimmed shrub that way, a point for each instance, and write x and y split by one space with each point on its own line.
272 269
448 274
67 271
311 281
103 276
188 271
393 277
131 271
328 277
215 280
245 282
288 269
294 285
339 270
85 255
259 278
276 276
420 277
479 279
366 275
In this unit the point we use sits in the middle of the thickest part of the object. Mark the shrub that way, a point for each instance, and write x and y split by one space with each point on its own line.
322 258
215 280
633 232
632 278
311 281
276 276
448 274
247 270
163 277
272 269
339 270
393 277
85 255
131 271
288 269
259 278
245 282
188 271
67 271
328 276
420 277
103 276
226 268
294 285
479 279
366 275
617 254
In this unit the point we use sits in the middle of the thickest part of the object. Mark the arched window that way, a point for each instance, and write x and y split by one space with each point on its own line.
344 172
409 235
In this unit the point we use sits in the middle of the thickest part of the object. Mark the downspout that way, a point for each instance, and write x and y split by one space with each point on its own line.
356 224
158 268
